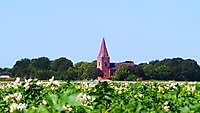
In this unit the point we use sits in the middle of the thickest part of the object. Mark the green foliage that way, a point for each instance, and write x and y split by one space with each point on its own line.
61 64
1 70
42 68
33 96
128 73
71 74
6 71
172 69
87 70
122 73
21 68
63 69
41 63
131 77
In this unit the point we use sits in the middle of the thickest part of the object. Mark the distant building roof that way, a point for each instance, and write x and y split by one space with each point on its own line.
112 65
116 65
4 76
129 62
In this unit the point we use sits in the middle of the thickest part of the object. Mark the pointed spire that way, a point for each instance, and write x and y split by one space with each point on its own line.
103 50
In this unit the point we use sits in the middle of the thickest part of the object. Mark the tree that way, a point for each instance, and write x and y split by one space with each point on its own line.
163 72
92 71
1 70
7 71
42 68
149 71
86 70
71 74
59 68
99 73
189 70
44 74
62 64
81 70
172 69
137 71
41 63
122 73
131 77
21 68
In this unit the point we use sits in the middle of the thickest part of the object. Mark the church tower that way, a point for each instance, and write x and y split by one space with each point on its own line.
103 60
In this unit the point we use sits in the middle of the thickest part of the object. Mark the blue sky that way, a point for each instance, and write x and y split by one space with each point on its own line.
141 30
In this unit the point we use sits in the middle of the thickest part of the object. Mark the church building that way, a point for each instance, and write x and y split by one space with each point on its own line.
103 62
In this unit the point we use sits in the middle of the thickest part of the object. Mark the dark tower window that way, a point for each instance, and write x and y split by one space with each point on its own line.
105 64
99 63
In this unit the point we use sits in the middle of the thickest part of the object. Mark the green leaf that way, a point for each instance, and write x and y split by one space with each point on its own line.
52 99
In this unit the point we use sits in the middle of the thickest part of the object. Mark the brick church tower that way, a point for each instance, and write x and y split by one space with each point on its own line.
103 60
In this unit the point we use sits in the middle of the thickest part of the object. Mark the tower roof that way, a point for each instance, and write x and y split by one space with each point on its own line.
103 50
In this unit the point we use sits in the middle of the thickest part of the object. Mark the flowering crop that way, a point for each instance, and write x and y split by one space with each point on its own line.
34 96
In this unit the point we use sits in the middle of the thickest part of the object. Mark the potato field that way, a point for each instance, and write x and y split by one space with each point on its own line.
34 96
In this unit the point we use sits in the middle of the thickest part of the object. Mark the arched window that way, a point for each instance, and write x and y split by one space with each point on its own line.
105 63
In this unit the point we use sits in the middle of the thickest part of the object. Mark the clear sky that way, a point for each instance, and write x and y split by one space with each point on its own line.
141 30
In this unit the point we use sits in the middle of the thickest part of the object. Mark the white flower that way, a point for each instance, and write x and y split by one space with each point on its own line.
166 108
21 106
33 107
27 86
17 80
15 84
190 88
120 89
6 98
166 103
15 106
81 97
85 99
126 84
56 83
28 81
16 97
160 89
193 88
39 83
67 108
2 86
44 102
140 95
51 80
173 85
135 96
87 85
91 99
53 84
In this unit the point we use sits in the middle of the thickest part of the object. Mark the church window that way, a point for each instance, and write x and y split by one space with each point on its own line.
105 64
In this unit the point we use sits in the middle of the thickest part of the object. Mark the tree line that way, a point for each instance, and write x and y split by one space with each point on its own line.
62 68
168 69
